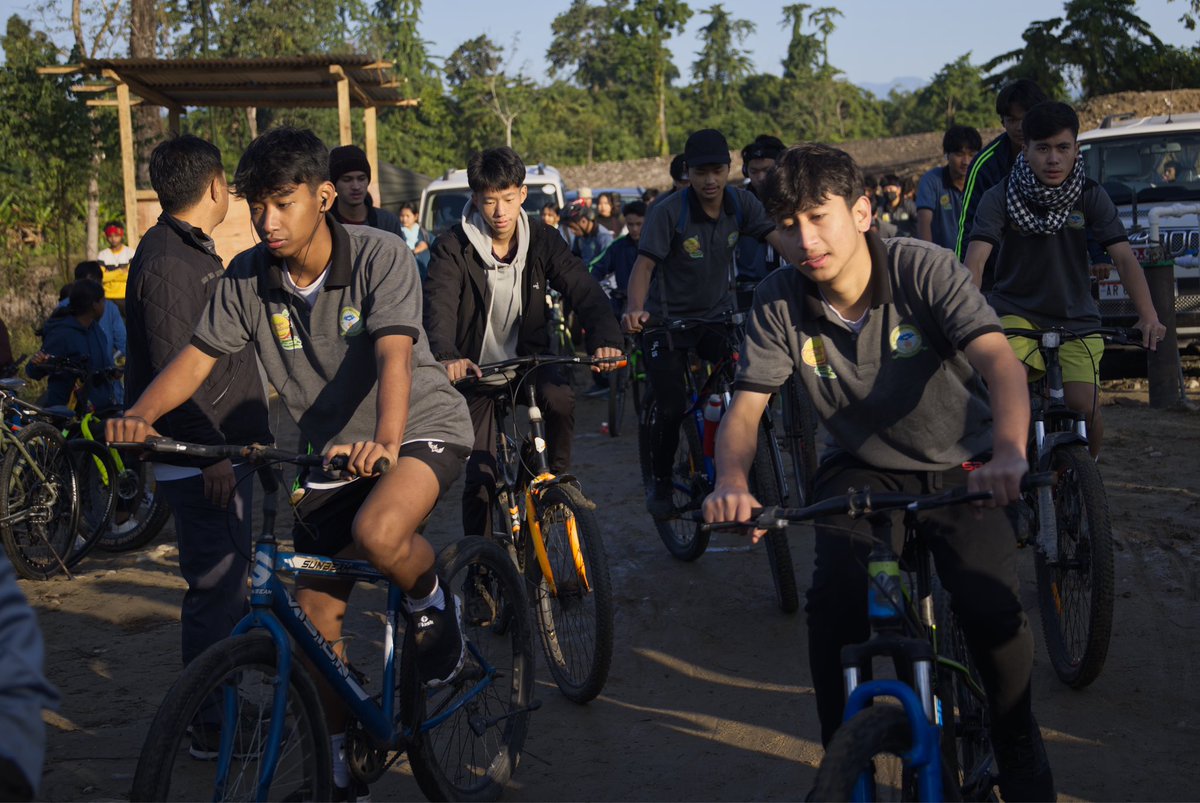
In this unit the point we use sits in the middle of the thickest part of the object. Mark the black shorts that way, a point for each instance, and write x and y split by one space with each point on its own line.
325 516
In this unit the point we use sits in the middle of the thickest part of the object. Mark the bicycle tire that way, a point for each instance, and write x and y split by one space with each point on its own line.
95 477
1075 595
147 510
966 742
575 624
765 485
244 665
683 539
800 432
450 761
873 741
38 517
618 383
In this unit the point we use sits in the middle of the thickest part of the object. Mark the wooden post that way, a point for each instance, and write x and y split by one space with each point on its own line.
173 120
372 149
1162 366
128 168
343 90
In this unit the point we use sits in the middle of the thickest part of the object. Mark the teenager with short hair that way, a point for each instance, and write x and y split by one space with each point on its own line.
485 302
940 191
755 259
887 336
350 173
319 300
1038 222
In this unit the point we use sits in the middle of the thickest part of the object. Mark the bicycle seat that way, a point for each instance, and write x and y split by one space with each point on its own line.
59 414
13 384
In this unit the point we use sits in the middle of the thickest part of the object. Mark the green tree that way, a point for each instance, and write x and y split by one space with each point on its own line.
1040 59
822 19
722 63
804 49
1102 39
957 95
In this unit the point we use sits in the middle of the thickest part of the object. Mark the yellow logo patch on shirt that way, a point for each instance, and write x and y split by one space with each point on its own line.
282 323
350 322
906 341
691 247
945 202
813 355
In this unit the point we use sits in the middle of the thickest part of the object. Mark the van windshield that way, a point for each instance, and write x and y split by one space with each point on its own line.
1158 167
445 206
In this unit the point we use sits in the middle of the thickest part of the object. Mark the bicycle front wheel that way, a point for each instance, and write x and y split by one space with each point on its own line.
39 506
683 539
141 511
1075 592
230 687
765 485
575 618
468 735
870 744
96 478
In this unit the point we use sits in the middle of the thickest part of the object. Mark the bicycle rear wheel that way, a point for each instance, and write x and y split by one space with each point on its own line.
765 487
1075 592
233 681
575 620
873 742
471 753
800 433
683 539
966 742
141 512
96 478
38 514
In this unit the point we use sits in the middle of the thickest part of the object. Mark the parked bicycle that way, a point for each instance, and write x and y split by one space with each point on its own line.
549 529
935 744
693 471
1072 533
463 741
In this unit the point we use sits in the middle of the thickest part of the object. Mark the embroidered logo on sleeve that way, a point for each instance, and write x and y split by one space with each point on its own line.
350 322
906 341
813 355
282 324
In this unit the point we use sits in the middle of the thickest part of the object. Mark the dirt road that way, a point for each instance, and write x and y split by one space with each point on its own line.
708 696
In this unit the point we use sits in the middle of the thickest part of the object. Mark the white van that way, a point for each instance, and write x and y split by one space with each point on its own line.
443 200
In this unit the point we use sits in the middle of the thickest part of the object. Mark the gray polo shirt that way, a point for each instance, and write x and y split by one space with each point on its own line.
694 267
900 394
1046 278
322 360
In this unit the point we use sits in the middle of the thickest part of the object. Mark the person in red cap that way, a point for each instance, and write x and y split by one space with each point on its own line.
350 173
115 260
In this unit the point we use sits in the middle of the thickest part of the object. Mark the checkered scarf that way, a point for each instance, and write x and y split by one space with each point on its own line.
1036 208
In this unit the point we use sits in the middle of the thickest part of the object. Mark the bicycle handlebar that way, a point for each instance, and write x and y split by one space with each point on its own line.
680 324
78 368
509 368
858 504
253 453
1117 335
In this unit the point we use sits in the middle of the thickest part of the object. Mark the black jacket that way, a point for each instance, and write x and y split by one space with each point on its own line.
456 300
171 279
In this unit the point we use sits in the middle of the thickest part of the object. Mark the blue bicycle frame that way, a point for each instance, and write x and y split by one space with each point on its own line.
273 608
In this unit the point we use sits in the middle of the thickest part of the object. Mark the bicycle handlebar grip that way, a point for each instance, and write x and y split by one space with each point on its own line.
382 466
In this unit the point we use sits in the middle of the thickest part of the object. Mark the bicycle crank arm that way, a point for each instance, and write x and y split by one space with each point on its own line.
479 725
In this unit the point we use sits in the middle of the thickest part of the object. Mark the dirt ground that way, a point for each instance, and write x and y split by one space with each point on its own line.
708 698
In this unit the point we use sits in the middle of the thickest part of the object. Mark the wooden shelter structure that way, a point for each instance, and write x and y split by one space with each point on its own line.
342 81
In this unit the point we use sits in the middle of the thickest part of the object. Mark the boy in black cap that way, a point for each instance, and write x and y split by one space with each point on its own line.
756 259
350 173
887 336
685 270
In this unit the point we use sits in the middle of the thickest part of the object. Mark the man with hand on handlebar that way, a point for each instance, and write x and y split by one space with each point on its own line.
887 337
334 314
485 301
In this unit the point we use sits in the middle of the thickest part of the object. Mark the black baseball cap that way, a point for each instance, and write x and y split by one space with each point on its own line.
706 147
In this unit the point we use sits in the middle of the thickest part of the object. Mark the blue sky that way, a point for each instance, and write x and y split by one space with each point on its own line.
876 41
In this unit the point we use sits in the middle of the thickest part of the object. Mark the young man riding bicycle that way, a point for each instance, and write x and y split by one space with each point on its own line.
1039 220
334 315
887 337
685 270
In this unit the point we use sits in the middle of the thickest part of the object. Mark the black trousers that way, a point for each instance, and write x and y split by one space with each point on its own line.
556 399
666 362
976 562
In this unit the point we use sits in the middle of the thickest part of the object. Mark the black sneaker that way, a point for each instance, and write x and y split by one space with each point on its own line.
441 647
1024 767
356 792
206 741
660 501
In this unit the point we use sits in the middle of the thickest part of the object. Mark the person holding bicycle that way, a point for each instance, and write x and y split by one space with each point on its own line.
73 332
893 344
685 269
1039 221
484 302
334 315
